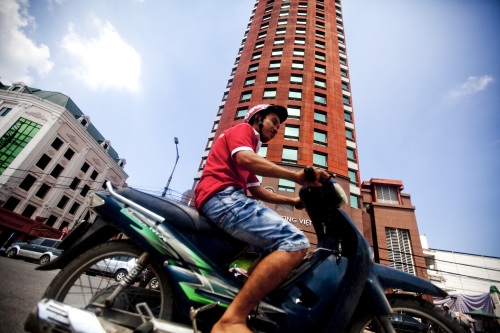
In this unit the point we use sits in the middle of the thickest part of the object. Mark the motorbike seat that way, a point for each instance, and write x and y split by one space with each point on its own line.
175 213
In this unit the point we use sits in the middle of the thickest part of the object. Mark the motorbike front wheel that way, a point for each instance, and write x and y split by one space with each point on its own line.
411 314
89 279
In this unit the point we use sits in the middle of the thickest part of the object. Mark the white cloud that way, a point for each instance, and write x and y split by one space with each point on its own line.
20 55
473 85
105 61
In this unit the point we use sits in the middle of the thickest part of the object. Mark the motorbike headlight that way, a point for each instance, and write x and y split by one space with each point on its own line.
96 201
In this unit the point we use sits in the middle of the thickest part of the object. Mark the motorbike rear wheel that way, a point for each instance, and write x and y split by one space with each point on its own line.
411 314
75 287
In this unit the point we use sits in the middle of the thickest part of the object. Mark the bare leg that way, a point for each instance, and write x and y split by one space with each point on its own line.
268 274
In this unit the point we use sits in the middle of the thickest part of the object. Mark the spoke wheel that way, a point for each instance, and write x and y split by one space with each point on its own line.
74 287
411 314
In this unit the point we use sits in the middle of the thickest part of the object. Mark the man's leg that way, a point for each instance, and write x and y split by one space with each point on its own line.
268 274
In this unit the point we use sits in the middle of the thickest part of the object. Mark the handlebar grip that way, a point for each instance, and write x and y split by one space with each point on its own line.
310 174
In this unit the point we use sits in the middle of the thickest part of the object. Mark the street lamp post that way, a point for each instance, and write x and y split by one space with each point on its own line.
170 178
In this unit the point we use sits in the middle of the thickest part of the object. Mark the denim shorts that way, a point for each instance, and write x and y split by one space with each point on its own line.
252 222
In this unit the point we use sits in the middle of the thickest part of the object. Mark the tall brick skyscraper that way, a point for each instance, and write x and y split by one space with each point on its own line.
293 53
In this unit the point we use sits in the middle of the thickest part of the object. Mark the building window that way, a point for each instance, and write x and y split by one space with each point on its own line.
266 17
268 10
263 151
320 69
74 208
224 97
272 78
269 93
320 25
302 4
349 134
259 45
43 161
292 132
320 117
56 172
285 6
350 154
74 183
245 96
387 194
15 139
320 138
209 145
289 155
301 21
282 21
296 79
85 190
354 202
264 26
42 191
343 72
319 83
28 181
284 207
256 56
51 221
11 203
69 153
320 8
320 34
320 16
253 68
284 13
250 81
277 53
262 35
346 100
57 143
319 99
293 112
221 108
4 111
300 31
300 41
352 177
94 175
214 128
297 64
280 31
295 95
275 64
320 160
279 41
62 203
240 113
229 83
298 52
28 211
85 167
320 44
345 86
399 248
286 185
302 12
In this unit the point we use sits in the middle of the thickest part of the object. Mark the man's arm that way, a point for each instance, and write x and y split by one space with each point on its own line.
262 167
268 196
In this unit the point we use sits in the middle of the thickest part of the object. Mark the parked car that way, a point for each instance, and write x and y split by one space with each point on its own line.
41 249
404 323
115 267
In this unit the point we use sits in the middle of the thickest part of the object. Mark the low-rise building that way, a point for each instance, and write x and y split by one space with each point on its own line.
51 158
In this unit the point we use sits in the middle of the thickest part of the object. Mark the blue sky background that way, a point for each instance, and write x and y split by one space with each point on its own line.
424 78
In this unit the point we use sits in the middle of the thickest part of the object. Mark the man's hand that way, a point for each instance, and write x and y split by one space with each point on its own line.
297 203
302 180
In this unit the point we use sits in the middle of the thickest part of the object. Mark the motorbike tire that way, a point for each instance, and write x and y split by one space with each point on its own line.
435 319
74 287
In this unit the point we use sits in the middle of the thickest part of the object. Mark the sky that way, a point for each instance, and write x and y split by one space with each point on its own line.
424 80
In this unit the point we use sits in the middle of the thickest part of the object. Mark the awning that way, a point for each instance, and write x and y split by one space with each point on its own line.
28 226
481 313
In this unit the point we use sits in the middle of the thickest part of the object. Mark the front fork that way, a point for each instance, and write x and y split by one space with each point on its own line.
128 280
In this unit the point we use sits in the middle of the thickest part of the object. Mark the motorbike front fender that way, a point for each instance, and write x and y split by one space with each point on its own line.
392 278
82 238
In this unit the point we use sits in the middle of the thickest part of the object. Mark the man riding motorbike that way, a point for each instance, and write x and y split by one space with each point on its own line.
230 170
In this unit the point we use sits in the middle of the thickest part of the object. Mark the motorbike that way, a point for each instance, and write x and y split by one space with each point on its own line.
336 288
